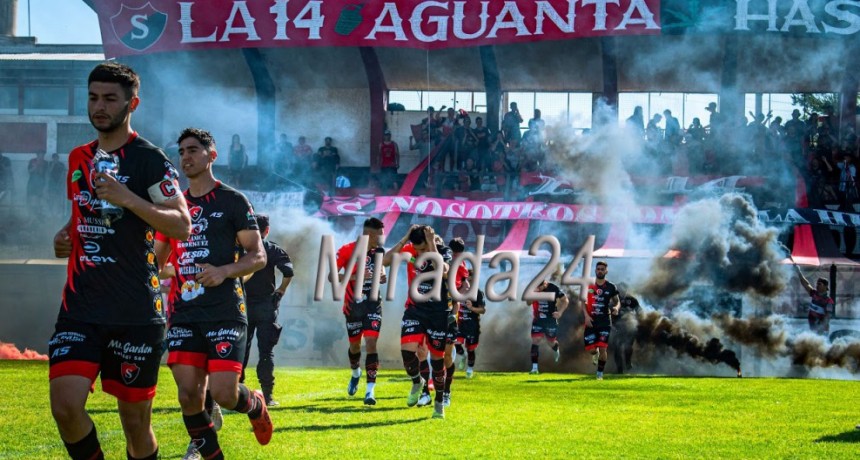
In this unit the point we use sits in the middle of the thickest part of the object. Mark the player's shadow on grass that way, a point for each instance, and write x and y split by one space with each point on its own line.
349 426
339 410
852 436
341 399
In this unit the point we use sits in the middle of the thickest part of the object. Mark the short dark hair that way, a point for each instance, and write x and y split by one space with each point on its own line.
601 262
416 236
823 281
114 72
205 137
263 222
374 223
457 245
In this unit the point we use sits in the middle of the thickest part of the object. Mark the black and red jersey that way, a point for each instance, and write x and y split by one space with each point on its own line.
412 270
466 315
820 305
112 272
597 304
543 309
388 155
216 220
343 255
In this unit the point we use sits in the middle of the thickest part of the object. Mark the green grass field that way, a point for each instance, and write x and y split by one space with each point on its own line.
494 415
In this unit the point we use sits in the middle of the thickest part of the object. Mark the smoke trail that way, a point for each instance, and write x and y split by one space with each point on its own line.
721 241
10 351
654 329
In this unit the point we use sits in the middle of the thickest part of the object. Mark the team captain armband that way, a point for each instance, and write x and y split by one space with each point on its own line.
165 190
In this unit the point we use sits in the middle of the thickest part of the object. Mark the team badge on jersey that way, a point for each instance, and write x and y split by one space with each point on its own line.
223 349
138 28
77 175
129 371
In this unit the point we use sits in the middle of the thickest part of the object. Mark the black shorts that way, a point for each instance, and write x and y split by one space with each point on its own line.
364 319
596 337
420 324
470 332
217 346
545 327
127 357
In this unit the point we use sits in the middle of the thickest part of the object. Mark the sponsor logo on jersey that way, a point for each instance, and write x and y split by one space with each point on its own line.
76 175
223 349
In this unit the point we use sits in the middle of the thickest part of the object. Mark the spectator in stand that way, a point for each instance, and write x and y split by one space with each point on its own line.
482 155
303 151
794 130
636 122
468 143
715 123
56 190
285 162
511 123
38 171
653 131
237 160
847 183
539 123
695 147
774 144
327 160
7 184
673 130
389 162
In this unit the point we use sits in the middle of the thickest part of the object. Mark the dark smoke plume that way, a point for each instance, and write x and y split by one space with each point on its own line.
768 337
723 242
654 329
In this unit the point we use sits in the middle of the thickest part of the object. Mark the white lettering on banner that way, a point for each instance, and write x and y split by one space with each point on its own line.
137 22
313 23
545 9
279 9
185 21
600 13
517 21
459 15
390 10
240 7
441 22
645 16
800 14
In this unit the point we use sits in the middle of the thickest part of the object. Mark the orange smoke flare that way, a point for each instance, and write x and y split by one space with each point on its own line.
10 351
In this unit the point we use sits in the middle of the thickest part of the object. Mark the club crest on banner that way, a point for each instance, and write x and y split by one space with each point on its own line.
138 28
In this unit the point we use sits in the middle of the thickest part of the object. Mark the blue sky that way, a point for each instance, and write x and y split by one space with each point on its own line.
59 21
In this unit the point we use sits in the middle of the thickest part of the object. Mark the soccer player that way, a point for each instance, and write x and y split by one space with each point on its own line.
263 302
622 341
469 325
111 318
545 315
424 321
458 246
206 339
363 315
602 301
820 303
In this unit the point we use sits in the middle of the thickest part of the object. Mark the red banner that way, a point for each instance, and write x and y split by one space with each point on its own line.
495 210
147 26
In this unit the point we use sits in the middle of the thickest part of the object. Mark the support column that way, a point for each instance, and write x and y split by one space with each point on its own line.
265 88
378 102
849 89
731 99
609 96
492 87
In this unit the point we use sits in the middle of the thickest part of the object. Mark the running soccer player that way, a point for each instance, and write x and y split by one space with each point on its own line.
111 319
602 301
545 315
207 331
469 325
624 332
424 321
458 246
264 299
363 315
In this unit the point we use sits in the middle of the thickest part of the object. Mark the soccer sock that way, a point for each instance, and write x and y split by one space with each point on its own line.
410 363
425 372
371 363
439 377
153 456
534 354
87 448
248 403
459 349
471 358
449 377
601 363
354 361
199 427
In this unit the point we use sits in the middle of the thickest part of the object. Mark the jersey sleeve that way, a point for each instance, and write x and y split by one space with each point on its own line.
161 179
242 214
282 260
